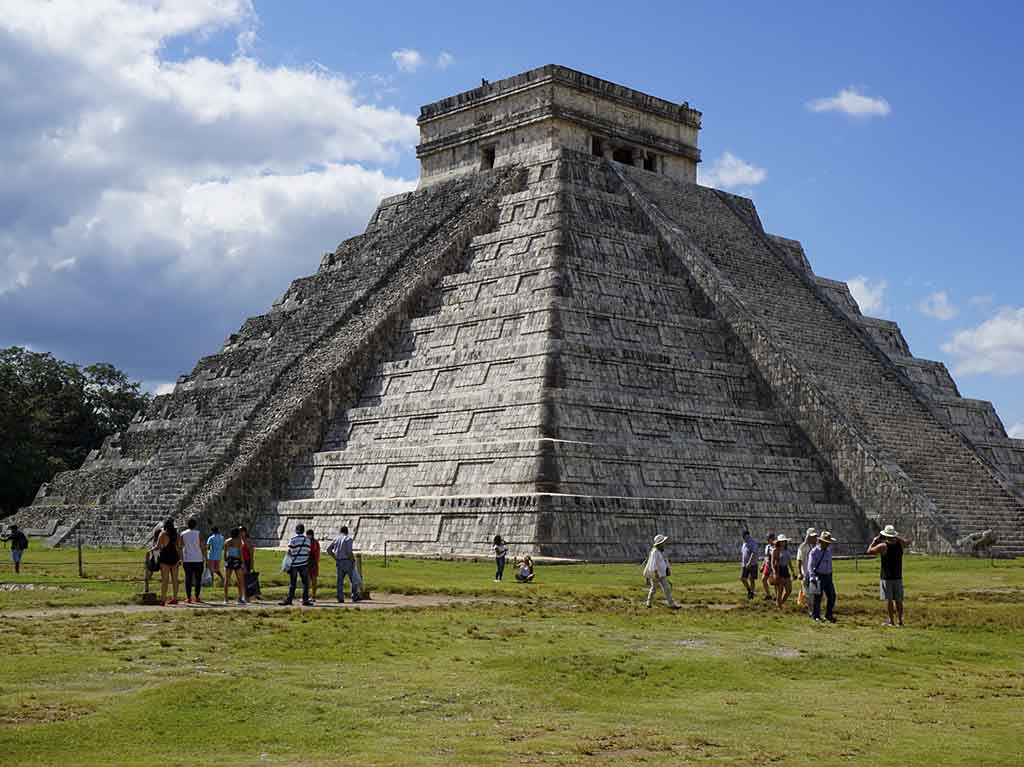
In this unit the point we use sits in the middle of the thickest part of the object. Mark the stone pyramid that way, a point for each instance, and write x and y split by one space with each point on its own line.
562 338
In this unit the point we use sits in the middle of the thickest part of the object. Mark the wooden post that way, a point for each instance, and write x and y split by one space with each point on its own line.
81 567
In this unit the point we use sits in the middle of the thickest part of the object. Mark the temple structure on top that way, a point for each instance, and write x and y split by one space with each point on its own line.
562 338
506 122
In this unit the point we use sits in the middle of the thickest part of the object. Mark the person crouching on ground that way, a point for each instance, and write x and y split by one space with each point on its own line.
314 563
524 573
298 567
819 567
657 571
500 553
888 545
234 565
766 566
782 570
168 548
19 542
802 553
748 564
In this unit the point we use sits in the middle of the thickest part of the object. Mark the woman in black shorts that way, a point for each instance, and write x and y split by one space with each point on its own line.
234 566
168 550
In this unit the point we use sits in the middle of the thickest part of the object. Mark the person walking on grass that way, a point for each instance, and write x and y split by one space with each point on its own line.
802 553
748 564
19 542
819 568
500 554
214 552
657 571
782 570
298 567
314 563
193 557
341 548
234 565
888 545
766 565
168 549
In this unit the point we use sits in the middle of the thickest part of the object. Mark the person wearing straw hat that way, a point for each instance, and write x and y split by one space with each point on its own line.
782 570
802 553
656 572
888 545
819 569
766 566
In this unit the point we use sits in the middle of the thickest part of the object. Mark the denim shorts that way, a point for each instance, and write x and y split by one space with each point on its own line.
16 555
891 590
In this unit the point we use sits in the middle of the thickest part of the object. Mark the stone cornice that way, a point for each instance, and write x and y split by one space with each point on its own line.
570 78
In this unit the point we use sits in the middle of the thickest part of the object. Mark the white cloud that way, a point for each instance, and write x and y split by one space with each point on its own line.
938 305
869 295
408 59
190 187
982 300
995 346
730 172
851 101
119 125
158 387
444 60
1016 431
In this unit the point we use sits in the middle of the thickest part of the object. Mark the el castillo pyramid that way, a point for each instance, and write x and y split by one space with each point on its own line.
562 338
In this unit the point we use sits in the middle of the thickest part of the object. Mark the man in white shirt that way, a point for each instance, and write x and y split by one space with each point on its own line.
802 553
656 571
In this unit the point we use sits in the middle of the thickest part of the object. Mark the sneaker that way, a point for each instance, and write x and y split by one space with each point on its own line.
174 601
830 619
357 599
242 602
307 602
750 595
675 607
285 602
198 601
341 601
889 624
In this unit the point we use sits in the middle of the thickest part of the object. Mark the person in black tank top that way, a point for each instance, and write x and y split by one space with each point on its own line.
888 545
168 548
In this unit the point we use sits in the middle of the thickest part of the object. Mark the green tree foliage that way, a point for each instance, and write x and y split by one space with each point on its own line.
52 413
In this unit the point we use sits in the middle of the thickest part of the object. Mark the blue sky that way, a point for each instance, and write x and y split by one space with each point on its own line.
186 160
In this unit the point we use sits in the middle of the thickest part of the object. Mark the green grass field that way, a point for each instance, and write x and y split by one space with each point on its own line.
569 670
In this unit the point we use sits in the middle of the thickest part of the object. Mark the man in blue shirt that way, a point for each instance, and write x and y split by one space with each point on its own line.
748 563
344 560
819 576
298 551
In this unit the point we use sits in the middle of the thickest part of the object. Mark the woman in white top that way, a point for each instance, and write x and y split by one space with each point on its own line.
193 557
656 572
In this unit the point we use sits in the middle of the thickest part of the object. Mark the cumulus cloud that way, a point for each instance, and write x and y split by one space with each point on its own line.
869 295
408 59
444 60
730 172
1017 430
851 101
938 305
145 196
995 346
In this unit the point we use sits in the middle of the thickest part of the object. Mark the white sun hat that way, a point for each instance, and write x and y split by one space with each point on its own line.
890 532
660 539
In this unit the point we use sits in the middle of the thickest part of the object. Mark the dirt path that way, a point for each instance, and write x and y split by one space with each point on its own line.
380 601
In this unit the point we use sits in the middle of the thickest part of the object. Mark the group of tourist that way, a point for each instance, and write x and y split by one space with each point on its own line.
523 565
813 571
302 563
171 550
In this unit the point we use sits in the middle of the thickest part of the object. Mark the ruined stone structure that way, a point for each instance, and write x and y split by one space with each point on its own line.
562 338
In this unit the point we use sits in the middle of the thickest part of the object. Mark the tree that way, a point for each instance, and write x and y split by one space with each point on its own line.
52 413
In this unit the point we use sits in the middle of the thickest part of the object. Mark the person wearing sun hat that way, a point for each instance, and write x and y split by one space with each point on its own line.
819 569
802 553
888 545
782 570
656 572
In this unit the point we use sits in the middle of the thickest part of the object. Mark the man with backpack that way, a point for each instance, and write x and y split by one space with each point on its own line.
19 542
